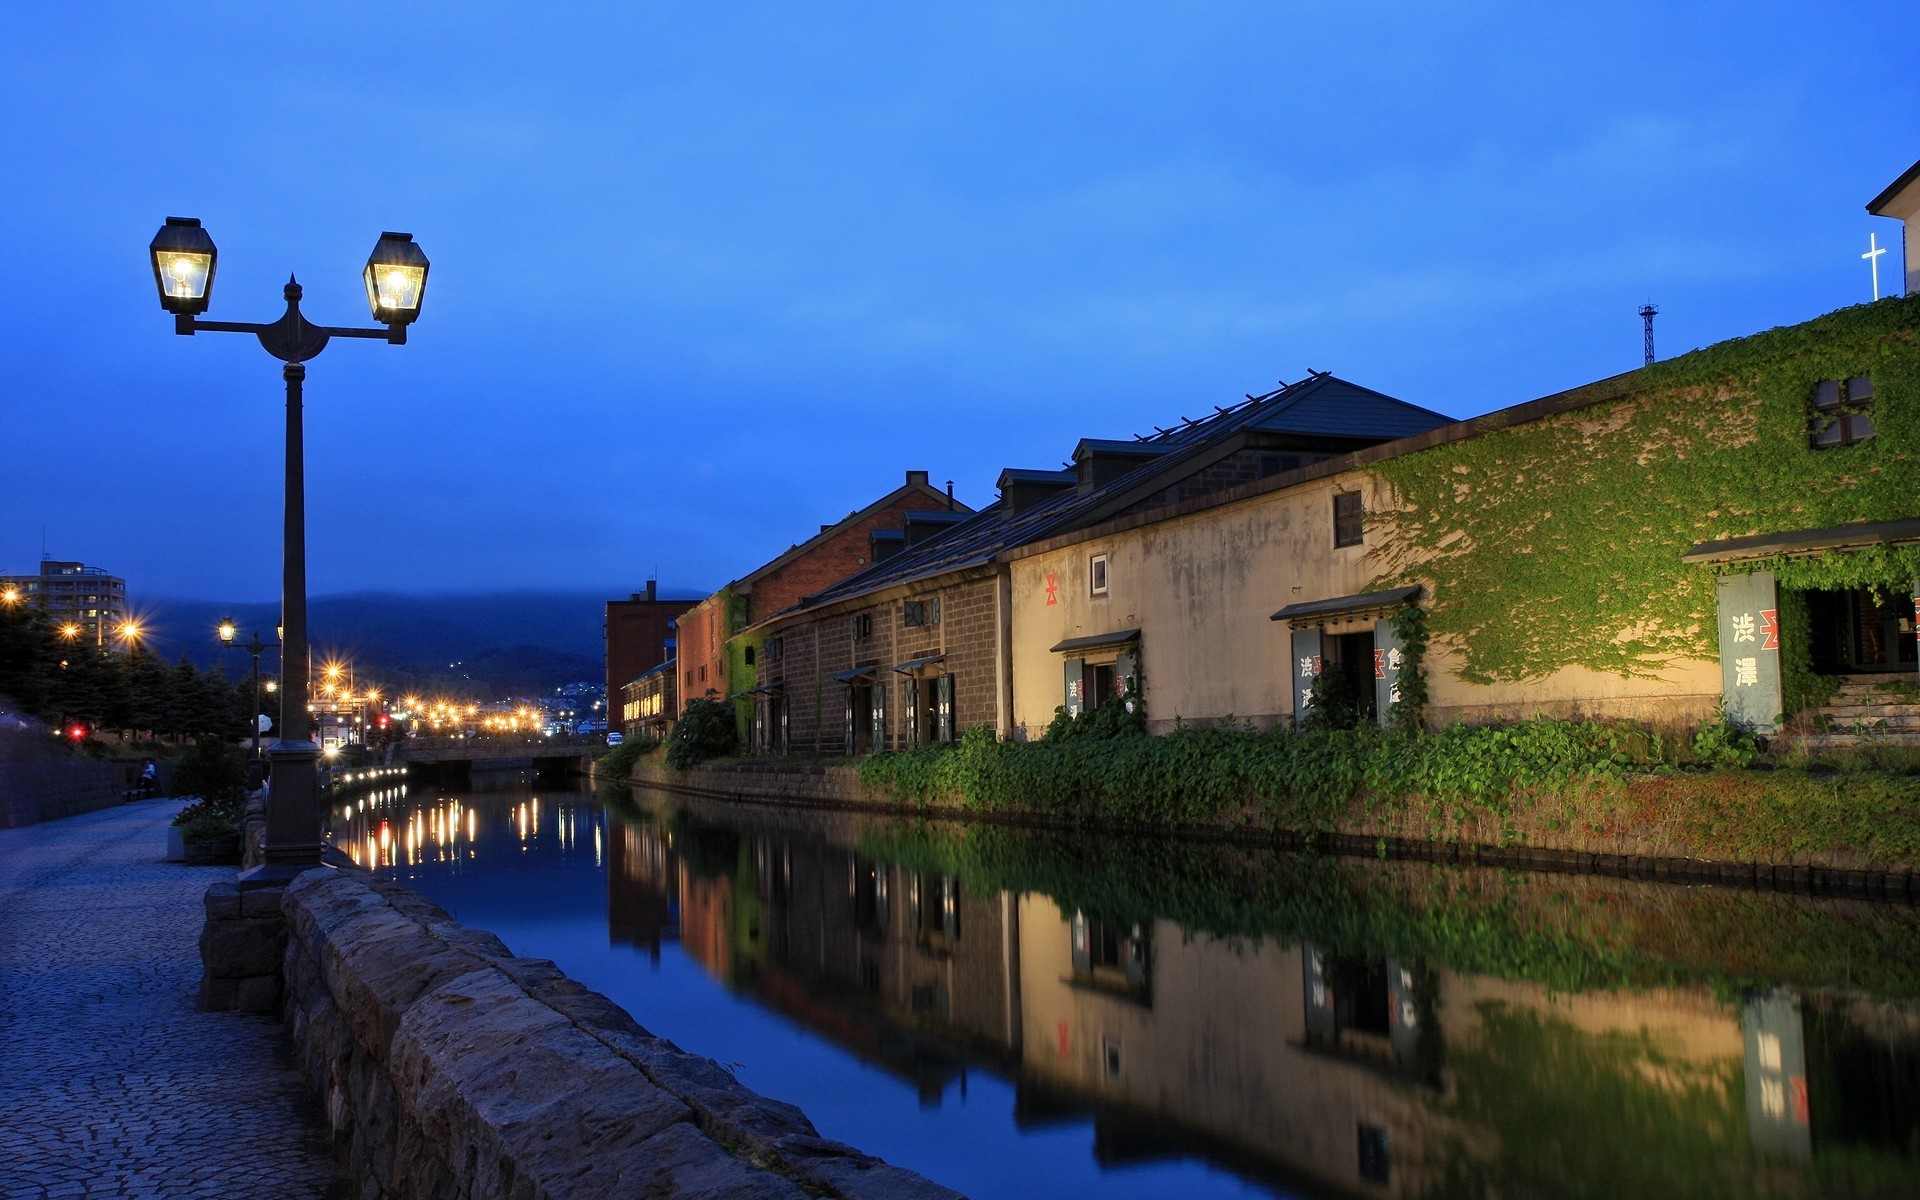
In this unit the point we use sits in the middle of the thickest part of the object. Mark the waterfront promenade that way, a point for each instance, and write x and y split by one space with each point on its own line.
111 1083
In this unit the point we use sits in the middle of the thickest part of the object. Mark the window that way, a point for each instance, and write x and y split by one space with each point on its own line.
863 625
1349 519
1097 575
1375 1166
774 648
1840 408
748 655
921 612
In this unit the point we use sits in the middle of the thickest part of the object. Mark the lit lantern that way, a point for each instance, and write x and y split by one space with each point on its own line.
396 278
183 263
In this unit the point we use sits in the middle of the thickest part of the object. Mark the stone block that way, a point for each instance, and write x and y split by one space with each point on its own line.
218 995
261 902
258 994
240 948
223 902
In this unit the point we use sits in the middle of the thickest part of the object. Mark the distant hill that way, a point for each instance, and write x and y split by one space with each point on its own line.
503 643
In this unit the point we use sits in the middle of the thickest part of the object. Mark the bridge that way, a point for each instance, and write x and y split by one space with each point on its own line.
500 752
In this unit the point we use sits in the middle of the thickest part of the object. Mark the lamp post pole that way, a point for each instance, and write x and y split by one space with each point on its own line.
228 631
184 261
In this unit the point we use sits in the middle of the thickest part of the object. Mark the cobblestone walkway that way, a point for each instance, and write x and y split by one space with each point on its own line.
111 1083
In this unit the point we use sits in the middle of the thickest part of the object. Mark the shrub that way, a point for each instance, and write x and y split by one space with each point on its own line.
705 730
215 774
618 763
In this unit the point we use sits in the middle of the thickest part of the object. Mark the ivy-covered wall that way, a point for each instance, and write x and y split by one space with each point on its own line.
1557 543
743 657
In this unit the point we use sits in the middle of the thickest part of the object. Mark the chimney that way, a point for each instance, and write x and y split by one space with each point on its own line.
949 495
653 589
919 477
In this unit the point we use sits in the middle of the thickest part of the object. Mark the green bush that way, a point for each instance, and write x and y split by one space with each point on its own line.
706 730
214 773
618 763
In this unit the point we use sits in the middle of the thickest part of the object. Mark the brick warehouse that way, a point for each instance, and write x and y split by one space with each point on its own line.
915 648
714 662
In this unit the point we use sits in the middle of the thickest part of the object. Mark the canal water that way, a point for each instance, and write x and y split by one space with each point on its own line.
1016 1014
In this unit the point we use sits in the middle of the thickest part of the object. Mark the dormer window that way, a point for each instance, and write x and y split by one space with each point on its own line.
1841 409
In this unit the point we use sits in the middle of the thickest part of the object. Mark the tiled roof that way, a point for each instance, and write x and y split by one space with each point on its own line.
1318 405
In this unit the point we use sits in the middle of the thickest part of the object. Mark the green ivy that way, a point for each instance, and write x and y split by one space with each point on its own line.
1539 782
1409 712
1557 543
1568 933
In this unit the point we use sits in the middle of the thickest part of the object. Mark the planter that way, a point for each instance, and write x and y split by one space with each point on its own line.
223 851
176 844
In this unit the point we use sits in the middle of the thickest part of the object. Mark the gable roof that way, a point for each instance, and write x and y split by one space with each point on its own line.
1879 205
1320 405
913 487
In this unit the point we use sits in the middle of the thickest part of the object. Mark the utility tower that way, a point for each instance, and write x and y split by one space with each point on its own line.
1647 313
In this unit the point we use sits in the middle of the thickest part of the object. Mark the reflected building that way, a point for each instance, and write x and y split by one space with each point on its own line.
642 905
1315 1068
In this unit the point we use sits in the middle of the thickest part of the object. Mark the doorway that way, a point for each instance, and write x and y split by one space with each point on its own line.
1859 632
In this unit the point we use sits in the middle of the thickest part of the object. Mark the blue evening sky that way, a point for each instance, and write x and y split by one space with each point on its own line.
708 275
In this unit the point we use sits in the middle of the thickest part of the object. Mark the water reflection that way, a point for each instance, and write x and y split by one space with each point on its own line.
1202 1020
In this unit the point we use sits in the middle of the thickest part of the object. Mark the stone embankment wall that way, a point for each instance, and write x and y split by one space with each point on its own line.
448 1067
1646 853
43 789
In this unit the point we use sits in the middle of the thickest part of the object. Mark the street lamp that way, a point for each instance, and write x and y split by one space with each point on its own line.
184 264
228 632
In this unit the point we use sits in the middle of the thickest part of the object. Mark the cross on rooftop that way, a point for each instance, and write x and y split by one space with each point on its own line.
1874 251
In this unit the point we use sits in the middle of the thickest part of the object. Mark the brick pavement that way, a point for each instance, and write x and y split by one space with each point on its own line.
111 1083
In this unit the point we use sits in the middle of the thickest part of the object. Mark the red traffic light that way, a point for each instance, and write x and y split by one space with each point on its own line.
384 721
77 732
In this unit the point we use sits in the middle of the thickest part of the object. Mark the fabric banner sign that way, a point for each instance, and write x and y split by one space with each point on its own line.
1306 665
1389 656
1750 649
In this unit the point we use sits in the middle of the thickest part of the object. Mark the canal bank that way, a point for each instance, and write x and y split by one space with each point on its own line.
446 1064
1072 1013
1561 807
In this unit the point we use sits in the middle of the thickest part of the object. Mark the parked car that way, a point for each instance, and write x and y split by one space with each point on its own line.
614 739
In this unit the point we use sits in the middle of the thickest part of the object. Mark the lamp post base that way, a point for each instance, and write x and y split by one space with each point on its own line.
293 843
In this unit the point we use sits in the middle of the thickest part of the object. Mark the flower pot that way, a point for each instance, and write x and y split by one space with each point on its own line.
222 851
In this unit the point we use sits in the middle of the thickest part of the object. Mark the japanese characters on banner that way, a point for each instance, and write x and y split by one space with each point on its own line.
1750 649
1306 664
1309 669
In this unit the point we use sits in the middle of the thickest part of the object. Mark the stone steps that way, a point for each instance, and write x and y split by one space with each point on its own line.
1827 741
1871 704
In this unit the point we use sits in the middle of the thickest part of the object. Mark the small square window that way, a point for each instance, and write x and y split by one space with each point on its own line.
1097 575
1840 412
1110 1051
913 612
863 625
1349 519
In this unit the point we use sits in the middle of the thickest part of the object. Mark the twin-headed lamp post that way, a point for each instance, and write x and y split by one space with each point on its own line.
229 632
184 261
